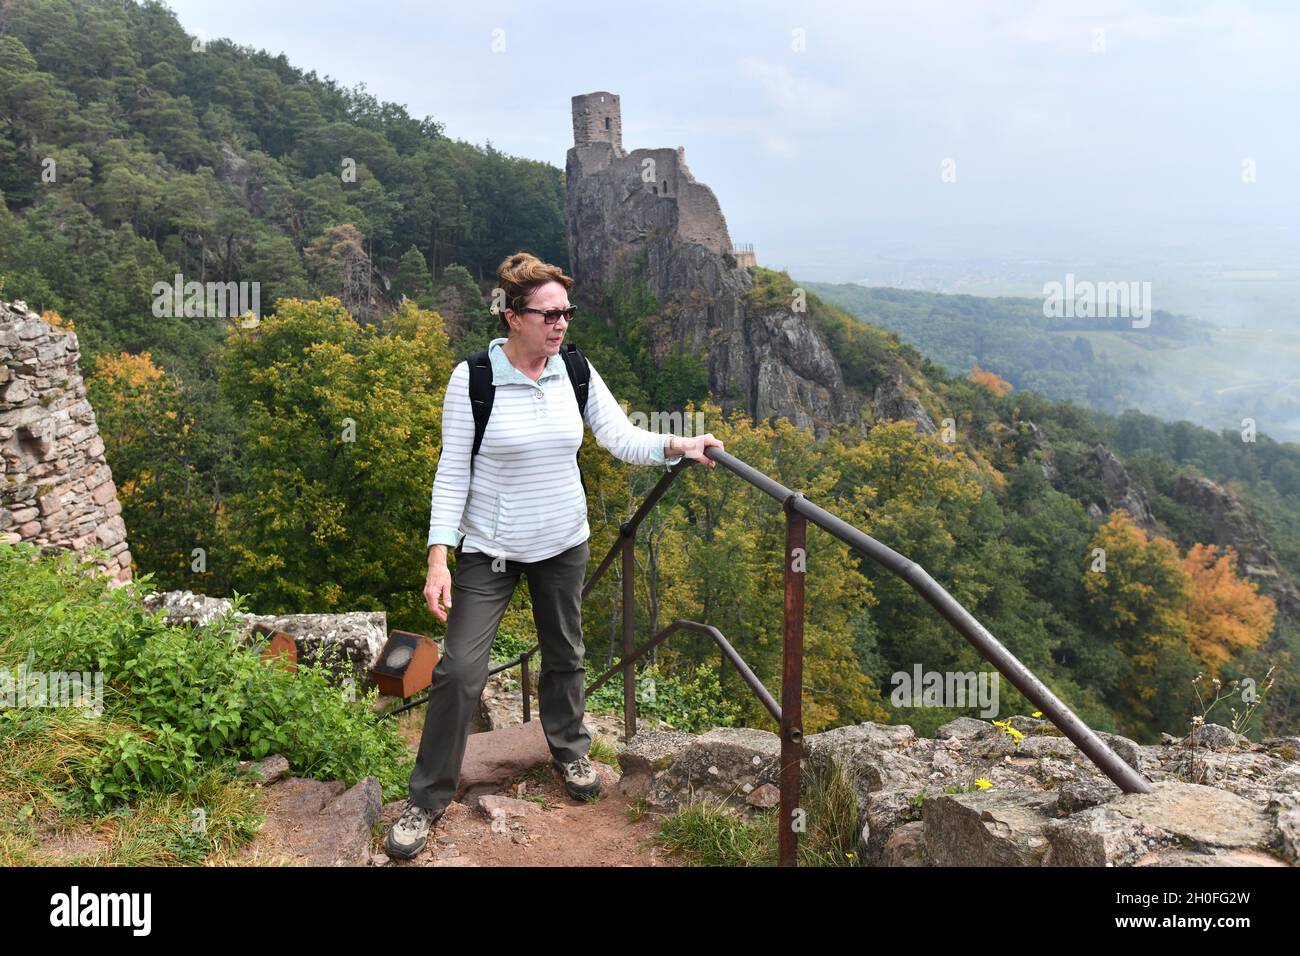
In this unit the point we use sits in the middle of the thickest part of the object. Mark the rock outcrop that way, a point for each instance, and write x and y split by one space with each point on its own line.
981 795
1236 525
56 489
644 213
896 401
1120 490
315 822
669 767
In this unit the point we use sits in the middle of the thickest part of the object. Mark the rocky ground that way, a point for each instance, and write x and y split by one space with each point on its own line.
531 823
1020 795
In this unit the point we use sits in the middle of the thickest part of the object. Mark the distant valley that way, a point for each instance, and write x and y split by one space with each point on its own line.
1178 368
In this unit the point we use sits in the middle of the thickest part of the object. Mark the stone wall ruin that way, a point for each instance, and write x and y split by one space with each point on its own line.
56 489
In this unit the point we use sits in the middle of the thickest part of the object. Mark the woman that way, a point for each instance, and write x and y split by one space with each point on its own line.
521 509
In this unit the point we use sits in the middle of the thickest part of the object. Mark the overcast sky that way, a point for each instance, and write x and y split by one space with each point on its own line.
1076 129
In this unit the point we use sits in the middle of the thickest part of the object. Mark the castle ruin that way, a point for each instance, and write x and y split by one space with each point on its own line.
691 210
642 213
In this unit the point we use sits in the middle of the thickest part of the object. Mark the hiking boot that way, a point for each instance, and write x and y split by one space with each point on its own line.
580 777
408 835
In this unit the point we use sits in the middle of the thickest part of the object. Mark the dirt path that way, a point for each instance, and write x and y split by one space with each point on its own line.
555 831
560 831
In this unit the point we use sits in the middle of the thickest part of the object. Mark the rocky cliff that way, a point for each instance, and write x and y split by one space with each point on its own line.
1236 525
644 213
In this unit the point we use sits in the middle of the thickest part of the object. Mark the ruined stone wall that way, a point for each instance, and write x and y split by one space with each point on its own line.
56 489
699 214
694 210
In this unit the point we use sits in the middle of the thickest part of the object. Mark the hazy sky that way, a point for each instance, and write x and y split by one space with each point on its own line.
1078 130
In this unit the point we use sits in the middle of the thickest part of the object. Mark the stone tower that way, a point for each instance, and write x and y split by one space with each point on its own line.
596 119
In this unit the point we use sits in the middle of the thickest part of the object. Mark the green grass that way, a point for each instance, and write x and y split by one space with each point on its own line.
41 753
603 750
637 808
707 832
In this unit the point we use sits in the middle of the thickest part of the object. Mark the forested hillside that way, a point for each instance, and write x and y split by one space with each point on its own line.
128 153
291 459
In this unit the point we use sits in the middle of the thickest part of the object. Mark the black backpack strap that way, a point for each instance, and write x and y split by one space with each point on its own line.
481 393
579 374
575 363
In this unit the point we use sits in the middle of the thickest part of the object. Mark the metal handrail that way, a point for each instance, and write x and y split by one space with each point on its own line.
1124 776
746 674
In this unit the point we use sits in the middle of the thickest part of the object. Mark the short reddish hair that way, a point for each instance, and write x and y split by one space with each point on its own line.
519 274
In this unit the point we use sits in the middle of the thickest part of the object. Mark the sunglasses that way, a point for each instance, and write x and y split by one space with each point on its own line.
551 316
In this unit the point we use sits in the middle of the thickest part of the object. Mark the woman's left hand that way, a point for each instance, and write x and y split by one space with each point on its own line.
694 448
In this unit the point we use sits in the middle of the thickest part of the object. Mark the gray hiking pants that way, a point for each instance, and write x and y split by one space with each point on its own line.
480 595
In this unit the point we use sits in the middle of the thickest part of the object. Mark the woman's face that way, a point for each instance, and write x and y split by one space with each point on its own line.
532 333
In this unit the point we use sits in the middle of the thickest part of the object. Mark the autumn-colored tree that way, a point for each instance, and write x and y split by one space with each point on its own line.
735 546
1137 593
998 386
58 321
712 551
1226 614
915 494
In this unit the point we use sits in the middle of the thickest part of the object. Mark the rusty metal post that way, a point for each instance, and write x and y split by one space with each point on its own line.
629 637
523 678
796 559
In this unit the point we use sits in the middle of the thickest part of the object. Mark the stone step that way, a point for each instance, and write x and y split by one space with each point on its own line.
495 757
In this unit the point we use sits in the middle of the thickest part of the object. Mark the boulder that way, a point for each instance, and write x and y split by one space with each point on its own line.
1174 815
266 771
318 823
650 753
1039 800
905 846
986 828
1285 808
875 756
1218 738
965 728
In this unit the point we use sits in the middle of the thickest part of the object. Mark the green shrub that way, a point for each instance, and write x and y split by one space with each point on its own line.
506 646
190 699
695 705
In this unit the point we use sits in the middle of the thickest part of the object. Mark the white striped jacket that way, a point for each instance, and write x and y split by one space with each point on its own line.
524 500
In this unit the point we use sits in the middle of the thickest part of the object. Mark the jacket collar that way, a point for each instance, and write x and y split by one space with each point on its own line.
503 372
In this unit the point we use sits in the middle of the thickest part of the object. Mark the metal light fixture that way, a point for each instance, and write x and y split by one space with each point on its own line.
280 644
405 666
